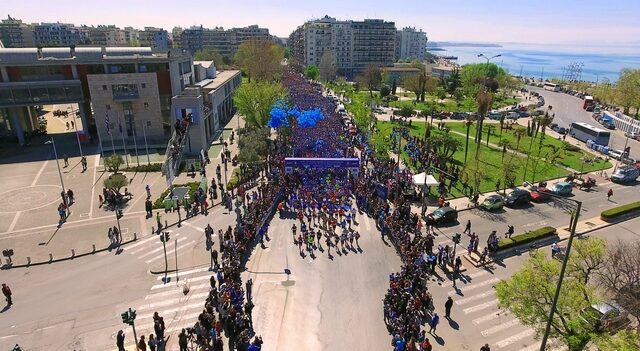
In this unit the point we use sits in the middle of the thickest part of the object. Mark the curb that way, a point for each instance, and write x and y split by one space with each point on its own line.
71 257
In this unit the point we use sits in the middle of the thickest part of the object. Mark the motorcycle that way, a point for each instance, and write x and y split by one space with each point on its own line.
588 184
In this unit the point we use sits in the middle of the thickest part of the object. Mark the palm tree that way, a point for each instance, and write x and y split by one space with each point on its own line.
544 121
519 133
468 121
490 130
484 100
504 144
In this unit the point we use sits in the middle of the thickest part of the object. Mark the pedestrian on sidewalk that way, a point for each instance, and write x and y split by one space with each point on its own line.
152 343
433 324
6 291
148 189
485 348
66 160
447 308
142 345
182 340
609 194
467 227
498 185
158 220
120 340
83 161
148 208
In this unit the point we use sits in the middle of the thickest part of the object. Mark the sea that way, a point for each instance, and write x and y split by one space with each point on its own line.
595 62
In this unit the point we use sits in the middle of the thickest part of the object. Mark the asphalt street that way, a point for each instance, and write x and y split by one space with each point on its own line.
568 109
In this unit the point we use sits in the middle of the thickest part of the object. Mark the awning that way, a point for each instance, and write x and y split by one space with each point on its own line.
424 179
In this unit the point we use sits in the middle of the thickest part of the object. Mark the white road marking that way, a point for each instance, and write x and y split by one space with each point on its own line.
174 301
510 340
199 304
142 241
489 317
472 286
93 184
189 272
534 347
480 307
170 252
35 180
466 300
193 226
154 250
192 287
14 221
478 274
500 327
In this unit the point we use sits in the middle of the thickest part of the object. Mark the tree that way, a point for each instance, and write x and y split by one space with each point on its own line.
509 170
484 100
253 145
528 294
385 90
328 66
113 163
116 182
468 122
624 340
620 275
311 72
628 89
490 129
255 99
413 84
209 54
371 77
452 83
406 111
504 144
260 59
474 77
519 133
445 146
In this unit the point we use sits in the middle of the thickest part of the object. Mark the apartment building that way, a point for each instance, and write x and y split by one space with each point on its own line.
57 34
356 44
15 34
226 42
411 44
155 38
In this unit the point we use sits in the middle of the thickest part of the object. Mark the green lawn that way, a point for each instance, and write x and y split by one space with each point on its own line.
570 156
490 159
450 105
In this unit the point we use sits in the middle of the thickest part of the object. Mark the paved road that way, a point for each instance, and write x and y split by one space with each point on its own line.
568 109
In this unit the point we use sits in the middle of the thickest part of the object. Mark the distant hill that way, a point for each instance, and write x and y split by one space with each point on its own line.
436 44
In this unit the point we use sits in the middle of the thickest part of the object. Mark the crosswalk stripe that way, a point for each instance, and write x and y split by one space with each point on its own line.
187 319
173 310
480 307
534 347
191 287
466 300
478 274
138 243
175 301
189 272
473 286
510 340
489 317
169 252
193 226
156 244
158 248
499 327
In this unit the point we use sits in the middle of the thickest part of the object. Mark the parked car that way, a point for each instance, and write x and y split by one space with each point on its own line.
540 194
378 110
524 114
625 175
561 188
633 135
606 317
559 130
513 115
517 197
537 113
615 154
492 202
459 115
444 215
495 115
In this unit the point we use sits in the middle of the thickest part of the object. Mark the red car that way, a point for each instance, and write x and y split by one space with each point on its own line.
540 194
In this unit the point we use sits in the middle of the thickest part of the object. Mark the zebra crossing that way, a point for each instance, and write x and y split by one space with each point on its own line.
150 249
478 304
167 297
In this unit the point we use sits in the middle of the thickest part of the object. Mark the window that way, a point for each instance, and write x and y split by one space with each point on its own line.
144 85
108 107
146 105
104 87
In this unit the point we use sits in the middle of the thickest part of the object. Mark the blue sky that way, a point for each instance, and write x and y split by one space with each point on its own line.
560 21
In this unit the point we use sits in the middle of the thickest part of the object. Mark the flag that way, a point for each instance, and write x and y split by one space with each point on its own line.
120 125
107 123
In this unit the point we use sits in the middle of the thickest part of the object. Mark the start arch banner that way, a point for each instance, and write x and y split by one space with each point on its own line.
290 163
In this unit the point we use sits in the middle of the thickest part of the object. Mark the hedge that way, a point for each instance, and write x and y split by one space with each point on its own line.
526 237
153 167
159 202
612 213
234 180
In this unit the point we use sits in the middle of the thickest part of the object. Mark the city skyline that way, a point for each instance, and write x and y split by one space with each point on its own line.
495 22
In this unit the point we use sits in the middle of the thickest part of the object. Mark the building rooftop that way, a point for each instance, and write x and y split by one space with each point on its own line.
220 79
32 56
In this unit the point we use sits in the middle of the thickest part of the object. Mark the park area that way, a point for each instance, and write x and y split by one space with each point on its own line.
549 158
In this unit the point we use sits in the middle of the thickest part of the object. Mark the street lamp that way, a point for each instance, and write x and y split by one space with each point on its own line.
574 223
75 125
64 192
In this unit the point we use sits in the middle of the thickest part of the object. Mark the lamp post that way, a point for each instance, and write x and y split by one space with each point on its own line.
398 170
484 83
75 125
64 192
574 222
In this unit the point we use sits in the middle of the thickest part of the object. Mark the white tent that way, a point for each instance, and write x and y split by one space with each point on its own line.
424 179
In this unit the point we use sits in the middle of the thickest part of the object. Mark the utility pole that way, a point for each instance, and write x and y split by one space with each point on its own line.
164 237
176 254
118 216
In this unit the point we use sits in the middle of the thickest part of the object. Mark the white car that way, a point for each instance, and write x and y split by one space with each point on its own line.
615 154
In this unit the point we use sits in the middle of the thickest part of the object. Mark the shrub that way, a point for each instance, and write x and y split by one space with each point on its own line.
526 237
116 182
113 163
234 180
571 148
615 212
153 167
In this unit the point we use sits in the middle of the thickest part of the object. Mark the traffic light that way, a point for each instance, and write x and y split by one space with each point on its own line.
164 237
125 317
119 214
132 314
456 238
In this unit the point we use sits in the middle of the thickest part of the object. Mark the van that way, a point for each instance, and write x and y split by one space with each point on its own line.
513 115
495 115
625 175
615 154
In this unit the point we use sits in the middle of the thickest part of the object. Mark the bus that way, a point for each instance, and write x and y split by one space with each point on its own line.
551 86
584 132
588 100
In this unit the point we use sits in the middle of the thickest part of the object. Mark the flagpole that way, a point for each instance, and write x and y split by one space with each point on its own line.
99 138
124 145
144 133
108 125
135 142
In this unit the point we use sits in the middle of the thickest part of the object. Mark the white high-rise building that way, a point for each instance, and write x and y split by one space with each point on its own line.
411 44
